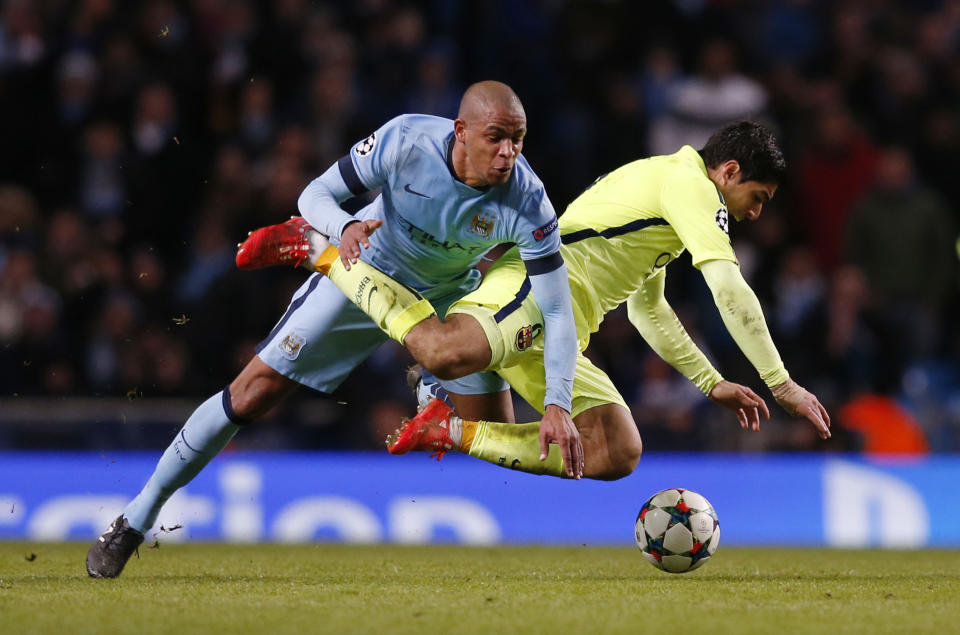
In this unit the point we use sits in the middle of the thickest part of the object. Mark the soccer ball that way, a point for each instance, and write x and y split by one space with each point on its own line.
677 530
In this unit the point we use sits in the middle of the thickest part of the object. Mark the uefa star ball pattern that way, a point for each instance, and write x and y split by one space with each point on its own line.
677 530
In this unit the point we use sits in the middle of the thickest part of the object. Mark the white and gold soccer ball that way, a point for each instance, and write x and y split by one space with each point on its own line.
677 530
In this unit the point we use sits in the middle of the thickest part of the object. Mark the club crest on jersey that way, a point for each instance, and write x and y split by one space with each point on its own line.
526 335
542 232
365 147
723 220
291 345
482 225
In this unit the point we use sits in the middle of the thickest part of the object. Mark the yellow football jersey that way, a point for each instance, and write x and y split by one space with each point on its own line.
635 220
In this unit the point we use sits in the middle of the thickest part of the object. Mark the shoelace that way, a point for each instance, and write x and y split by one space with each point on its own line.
114 542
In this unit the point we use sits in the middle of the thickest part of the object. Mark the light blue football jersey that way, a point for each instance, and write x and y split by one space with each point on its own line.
435 227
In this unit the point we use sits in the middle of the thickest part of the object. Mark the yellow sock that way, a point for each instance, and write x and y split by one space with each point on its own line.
330 255
516 446
468 434
395 308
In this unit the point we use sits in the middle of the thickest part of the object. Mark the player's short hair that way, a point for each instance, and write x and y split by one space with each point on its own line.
751 145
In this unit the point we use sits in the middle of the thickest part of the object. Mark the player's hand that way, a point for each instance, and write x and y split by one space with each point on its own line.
745 403
354 236
802 403
557 427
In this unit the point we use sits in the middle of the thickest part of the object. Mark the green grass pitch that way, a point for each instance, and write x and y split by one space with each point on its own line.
208 588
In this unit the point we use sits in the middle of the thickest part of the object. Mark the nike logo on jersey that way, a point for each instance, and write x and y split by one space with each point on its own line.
406 188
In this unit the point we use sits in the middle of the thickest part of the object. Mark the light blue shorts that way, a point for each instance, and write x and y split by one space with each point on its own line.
323 336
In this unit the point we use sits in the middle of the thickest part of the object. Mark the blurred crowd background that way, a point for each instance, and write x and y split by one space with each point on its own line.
140 141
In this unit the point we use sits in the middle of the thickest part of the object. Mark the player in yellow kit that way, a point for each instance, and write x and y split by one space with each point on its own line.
618 238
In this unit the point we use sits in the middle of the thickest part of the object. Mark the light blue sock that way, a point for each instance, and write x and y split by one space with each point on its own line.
206 432
429 388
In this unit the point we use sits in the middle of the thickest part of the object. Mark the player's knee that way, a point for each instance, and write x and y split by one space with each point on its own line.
446 364
622 460
447 361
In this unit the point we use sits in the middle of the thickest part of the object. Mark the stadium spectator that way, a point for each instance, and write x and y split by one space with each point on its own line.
901 236
717 94
834 172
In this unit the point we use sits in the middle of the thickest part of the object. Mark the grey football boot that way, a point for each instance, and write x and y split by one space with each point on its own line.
110 552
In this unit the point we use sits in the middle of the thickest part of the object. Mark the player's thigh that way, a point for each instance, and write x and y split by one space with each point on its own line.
320 338
504 307
591 386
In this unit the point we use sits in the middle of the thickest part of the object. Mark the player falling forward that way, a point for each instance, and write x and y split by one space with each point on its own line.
618 238
451 190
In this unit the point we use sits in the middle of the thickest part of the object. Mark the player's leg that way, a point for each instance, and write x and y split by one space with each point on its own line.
490 403
257 389
451 348
318 341
611 442
206 432
513 324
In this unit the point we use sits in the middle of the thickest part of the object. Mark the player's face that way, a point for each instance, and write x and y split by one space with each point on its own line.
745 199
492 143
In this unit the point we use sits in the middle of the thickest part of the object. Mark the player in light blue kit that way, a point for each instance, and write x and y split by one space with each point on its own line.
451 190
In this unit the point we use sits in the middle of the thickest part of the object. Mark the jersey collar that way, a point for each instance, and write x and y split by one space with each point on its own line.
703 168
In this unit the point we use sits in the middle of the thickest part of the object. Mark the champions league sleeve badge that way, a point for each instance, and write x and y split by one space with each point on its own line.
723 220
365 147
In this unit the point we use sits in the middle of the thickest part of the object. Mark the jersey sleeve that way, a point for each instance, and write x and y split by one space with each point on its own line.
366 167
655 320
692 206
539 236
371 161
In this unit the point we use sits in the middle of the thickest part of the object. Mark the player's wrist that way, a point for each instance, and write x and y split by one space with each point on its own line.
350 222
556 408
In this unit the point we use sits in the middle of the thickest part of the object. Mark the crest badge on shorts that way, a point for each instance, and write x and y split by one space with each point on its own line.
482 224
365 147
291 345
723 220
526 335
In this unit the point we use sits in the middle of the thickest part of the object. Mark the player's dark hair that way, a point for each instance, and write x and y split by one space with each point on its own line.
751 145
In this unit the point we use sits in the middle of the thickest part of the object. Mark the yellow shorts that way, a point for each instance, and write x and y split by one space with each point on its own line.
513 324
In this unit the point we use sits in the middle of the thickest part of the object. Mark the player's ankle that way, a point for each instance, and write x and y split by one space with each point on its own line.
321 255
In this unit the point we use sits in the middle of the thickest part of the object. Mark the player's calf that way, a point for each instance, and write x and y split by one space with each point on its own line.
437 429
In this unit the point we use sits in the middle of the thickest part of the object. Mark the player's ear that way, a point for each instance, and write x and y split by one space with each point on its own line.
730 170
460 130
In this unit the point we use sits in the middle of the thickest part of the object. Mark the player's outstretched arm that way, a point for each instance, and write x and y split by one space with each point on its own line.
651 314
744 320
655 320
